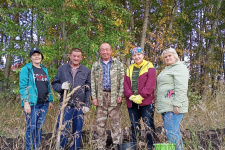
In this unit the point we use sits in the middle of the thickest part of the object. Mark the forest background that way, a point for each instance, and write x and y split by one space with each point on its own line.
195 28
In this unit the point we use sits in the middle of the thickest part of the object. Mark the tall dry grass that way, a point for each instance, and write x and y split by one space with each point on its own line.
204 115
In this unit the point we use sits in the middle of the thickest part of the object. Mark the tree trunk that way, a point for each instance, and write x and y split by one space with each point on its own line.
210 49
64 34
32 26
209 81
11 46
168 43
7 71
145 24
132 23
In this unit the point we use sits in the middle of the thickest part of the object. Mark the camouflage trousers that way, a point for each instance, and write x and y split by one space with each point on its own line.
114 114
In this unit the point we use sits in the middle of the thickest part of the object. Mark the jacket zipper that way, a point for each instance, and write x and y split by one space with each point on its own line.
35 87
139 76
138 82
70 73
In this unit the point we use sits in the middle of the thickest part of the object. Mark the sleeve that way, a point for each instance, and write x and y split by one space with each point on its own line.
121 80
93 83
127 85
150 83
23 83
56 83
50 97
88 90
181 75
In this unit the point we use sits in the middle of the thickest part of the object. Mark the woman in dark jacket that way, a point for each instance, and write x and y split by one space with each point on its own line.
139 85
36 97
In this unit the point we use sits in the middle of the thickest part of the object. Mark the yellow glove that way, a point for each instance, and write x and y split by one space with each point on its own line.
138 99
132 97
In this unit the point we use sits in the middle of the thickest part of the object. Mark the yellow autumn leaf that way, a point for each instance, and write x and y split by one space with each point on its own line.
9 2
114 14
100 28
126 50
118 22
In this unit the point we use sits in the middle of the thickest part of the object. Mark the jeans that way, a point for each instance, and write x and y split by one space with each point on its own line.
147 114
76 116
35 120
172 128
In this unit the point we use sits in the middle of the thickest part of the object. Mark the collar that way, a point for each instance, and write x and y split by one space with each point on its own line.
110 60
176 63
29 65
139 66
73 67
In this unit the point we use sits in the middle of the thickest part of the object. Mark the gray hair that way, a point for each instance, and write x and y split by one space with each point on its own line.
170 50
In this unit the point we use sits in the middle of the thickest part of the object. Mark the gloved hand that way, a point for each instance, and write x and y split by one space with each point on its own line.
138 99
65 85
85 109
132 97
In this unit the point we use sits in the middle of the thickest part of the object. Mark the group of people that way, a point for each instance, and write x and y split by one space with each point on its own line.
106 83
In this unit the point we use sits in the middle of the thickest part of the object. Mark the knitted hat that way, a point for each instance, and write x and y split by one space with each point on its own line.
137 50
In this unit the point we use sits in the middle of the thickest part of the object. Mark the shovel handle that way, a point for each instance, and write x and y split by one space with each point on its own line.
64 95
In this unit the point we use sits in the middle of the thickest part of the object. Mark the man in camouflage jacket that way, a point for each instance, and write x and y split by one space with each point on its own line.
107 77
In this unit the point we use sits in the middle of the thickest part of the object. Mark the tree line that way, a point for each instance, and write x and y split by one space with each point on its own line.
195 28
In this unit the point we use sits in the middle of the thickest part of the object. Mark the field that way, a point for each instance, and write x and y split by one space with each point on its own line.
203 127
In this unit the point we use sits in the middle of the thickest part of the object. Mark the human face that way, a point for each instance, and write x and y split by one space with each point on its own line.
138 58
36 58
169 59
105 51
75 58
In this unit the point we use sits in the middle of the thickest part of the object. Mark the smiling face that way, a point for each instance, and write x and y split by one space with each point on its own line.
36 58
75 58
105 51
169 59
138 58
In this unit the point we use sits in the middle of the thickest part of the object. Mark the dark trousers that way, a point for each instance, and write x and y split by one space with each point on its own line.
137 112
75 117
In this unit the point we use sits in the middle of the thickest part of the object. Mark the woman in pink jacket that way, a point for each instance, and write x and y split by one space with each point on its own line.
139 85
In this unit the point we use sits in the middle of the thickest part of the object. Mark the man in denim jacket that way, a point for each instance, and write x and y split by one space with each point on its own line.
68 77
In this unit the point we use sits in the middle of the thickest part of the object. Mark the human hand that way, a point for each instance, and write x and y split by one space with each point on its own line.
176 109
65 85
132 97
95 102
50 106
138 99
27 108
85 109
119 100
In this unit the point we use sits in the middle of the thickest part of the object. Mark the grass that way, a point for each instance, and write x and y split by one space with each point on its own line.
204 115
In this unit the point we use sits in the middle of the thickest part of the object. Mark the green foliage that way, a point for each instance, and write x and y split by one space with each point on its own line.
83 24
59 25
194 98
195 139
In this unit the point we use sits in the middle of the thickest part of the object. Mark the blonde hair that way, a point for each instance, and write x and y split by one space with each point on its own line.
170 50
